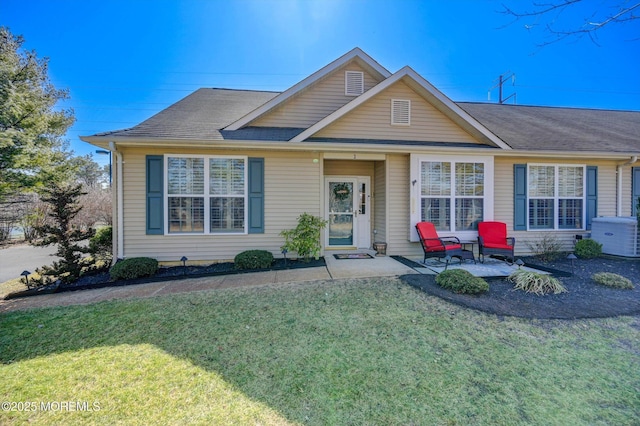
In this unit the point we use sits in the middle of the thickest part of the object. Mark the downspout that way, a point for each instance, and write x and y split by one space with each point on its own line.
619 192
119 254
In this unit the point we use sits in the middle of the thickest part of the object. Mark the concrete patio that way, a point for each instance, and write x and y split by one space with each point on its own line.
490 268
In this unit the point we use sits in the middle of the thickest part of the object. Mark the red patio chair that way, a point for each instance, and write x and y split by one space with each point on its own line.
435 246
492 239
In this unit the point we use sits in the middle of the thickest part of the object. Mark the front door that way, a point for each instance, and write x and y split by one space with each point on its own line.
348 206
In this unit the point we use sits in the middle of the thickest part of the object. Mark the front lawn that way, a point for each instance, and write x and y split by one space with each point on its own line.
372 351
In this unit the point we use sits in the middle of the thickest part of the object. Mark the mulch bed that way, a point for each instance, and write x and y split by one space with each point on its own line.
102 279
584 299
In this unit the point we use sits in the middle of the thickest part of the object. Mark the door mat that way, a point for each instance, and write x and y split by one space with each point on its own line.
353 256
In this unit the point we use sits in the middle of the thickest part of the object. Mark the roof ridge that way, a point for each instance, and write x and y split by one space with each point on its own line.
546 106
239 90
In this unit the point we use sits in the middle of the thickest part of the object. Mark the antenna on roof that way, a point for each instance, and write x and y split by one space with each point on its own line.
501 80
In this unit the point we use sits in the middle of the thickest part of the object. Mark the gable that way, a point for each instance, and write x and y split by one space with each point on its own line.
372 120
316 101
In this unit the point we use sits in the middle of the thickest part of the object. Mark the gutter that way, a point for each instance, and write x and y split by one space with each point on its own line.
119 207
619 174
395 148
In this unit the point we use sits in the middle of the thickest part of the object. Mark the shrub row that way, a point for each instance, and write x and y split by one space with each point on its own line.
138 267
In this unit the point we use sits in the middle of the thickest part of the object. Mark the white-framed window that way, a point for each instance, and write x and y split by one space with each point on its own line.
205 194
353 83
401 112
455 193
556 196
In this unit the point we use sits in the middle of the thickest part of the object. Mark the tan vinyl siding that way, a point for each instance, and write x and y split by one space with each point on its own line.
503 205
627 183
380 202
372 120
398 193
315 102
287 177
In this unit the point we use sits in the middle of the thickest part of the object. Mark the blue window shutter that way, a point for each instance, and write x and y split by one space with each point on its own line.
520 197
635 189
155 196
592 194
256 196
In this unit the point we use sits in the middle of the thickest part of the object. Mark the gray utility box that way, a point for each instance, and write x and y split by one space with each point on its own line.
618 235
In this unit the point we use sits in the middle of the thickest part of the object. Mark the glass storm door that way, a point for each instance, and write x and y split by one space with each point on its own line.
342 209
348 212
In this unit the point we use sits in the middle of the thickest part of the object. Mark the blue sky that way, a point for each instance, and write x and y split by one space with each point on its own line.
123 61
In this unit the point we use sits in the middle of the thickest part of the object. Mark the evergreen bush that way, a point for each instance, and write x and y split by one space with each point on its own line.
253 259
588 249
134 267
101 243
461 281
64 207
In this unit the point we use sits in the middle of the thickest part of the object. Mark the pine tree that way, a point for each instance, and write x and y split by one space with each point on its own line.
63 200
32 127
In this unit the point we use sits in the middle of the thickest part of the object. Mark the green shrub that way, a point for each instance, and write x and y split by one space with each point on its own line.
134 267
253 259
535 282
588 249
612 280
101 242
461 281
304 239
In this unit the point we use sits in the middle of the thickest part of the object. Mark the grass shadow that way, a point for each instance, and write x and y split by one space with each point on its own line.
340 352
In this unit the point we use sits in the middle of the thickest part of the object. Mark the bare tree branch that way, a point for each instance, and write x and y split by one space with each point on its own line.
623 12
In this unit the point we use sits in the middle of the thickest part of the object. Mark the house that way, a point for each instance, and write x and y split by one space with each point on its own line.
373 152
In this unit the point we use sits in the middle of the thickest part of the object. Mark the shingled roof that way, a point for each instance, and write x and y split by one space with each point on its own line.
203 114
559 129
200 115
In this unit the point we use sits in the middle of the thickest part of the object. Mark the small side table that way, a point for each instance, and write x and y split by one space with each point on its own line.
466 253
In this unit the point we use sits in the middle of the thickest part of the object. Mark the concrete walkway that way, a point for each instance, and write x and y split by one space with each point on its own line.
335 269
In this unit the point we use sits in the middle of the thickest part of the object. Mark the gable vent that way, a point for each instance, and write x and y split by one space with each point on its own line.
353 83
401 112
